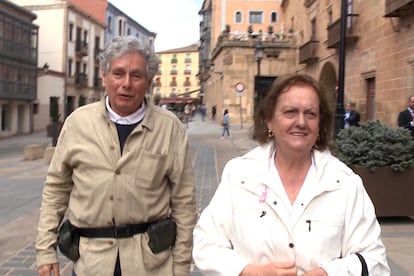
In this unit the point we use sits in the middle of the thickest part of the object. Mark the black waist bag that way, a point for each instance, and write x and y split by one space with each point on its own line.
162 235
68 241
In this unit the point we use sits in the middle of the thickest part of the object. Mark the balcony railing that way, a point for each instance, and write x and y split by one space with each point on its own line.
187 83
157 84
173 60
173 83
81 48
334 31
81 80
187 72
307 52
187 60
17 91
173 72
394 8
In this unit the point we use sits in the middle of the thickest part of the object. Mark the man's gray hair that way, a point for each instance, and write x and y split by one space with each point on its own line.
122 45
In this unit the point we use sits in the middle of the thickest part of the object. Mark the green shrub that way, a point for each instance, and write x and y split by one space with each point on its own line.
374 145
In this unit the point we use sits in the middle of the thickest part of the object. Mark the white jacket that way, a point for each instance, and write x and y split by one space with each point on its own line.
337 219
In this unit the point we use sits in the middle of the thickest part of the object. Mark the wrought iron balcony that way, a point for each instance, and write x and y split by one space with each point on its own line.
173 72
394 8
81 48
187 72
17 91
334 31
173 83
81 80
187 83
157 84
307 52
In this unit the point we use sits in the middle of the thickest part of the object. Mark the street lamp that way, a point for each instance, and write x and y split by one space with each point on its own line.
339 114
259 55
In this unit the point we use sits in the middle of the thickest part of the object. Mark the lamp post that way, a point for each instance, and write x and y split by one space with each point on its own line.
339 114
259 55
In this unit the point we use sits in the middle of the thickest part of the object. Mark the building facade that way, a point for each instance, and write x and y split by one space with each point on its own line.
242 45
177 73
18 62
71 33
378 57
379 52
120 24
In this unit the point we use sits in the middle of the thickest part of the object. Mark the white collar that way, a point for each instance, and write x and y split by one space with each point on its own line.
131 119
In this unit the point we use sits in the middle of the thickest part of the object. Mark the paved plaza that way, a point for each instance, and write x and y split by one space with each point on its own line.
21 186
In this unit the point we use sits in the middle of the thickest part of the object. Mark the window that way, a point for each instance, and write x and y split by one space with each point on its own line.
119 27
255 17
70 31
85 36
70 63
238 17
6 116
273 17
313 29
109 24
128 31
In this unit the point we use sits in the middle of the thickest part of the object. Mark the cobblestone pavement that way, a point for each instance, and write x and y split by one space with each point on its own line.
210 154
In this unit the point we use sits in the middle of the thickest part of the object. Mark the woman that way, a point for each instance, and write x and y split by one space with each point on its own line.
289 207
226 124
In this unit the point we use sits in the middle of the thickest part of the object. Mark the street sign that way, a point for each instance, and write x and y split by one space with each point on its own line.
239 89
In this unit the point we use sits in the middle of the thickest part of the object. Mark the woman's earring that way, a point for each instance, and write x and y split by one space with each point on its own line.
270 133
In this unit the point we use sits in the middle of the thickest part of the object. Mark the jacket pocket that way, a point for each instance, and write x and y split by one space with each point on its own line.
150 169
151 260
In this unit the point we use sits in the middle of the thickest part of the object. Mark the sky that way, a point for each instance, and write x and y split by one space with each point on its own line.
176 23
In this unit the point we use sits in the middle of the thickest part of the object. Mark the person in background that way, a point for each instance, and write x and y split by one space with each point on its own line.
406 117
351 117
226 124
122 173
213 112
289 207
203 112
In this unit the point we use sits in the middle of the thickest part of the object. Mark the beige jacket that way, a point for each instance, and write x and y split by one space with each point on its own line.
90 179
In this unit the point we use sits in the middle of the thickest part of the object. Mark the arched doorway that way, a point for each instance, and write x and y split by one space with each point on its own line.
328 82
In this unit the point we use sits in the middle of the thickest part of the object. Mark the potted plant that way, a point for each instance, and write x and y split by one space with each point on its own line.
384 158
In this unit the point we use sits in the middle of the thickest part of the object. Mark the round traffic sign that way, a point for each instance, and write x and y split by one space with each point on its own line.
239 87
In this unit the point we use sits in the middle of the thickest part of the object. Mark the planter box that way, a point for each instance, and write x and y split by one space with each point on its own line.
391 192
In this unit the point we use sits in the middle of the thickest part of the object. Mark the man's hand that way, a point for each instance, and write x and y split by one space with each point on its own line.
46 270
274 269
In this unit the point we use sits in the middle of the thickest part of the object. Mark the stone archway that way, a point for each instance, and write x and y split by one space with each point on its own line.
328 82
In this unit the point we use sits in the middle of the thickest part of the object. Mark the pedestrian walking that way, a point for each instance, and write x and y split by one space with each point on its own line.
122 173
351 117
213 112
226 124
203 112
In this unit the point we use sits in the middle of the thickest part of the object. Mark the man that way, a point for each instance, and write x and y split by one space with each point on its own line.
406 117
120 167
351 116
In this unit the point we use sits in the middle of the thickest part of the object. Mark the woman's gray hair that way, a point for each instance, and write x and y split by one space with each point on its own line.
122 45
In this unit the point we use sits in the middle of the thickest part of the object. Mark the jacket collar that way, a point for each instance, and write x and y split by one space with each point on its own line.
323 161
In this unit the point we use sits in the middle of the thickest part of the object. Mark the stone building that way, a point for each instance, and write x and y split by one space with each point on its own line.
379 52
18 62
247 45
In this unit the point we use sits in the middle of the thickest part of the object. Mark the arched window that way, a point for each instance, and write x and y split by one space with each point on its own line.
238 17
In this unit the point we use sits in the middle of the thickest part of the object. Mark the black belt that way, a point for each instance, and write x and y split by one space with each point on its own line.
121 231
